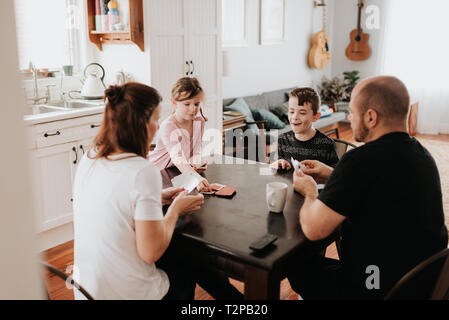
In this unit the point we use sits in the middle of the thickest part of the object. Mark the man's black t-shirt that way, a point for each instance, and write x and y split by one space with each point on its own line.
320 147
389 190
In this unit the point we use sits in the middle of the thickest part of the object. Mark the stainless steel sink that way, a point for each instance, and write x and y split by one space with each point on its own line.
40 109
72 104
62 106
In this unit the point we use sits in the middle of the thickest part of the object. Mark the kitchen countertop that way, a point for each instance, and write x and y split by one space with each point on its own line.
62 114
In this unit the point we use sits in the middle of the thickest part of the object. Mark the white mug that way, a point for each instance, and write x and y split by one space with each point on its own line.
276 196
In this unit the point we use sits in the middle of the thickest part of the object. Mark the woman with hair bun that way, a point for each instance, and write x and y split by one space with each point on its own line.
120 230
121 234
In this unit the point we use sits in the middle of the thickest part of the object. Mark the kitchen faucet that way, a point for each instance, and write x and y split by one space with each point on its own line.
36 98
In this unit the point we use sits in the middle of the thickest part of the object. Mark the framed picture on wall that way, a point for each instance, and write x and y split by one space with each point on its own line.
272 22
234 23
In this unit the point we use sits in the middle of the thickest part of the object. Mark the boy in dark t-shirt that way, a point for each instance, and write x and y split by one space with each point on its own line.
304 142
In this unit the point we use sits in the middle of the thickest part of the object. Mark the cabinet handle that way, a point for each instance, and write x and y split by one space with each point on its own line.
193 67
188 66
57 133
94 126
76 155
82 148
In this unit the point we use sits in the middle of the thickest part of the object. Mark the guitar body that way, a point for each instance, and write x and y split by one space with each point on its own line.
319 54
358 49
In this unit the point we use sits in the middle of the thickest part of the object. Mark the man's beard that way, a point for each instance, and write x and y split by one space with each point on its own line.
361 133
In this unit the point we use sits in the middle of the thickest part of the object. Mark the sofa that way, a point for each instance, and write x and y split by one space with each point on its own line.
275 102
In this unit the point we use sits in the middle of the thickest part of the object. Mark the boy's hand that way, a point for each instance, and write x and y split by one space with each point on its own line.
281 164
305 185
318 170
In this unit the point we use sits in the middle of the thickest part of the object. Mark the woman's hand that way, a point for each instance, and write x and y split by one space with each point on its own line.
184 204
204 186
318 170
281 164
169 194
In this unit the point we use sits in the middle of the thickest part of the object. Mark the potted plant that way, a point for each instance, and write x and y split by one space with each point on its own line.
336 92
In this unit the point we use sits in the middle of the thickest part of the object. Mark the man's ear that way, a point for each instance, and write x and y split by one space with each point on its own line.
371 118
317 116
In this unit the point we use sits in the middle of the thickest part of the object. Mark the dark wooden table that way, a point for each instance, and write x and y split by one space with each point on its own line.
218 235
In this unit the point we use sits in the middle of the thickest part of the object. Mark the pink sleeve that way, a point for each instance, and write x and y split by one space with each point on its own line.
175 140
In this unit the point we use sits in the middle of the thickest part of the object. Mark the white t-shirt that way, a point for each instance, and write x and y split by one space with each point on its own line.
108 197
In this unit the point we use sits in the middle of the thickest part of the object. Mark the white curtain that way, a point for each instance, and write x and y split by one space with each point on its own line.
416 39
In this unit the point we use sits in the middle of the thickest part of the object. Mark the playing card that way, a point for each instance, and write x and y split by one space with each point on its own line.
188 181
297 165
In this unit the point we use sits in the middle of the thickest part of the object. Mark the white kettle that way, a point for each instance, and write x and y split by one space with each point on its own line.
93 86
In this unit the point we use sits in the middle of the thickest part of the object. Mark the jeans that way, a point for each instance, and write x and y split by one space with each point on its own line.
318 278
184 276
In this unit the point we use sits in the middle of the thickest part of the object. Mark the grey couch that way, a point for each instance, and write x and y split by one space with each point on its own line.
272 99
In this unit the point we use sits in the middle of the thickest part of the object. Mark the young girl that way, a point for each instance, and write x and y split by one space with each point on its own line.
180 135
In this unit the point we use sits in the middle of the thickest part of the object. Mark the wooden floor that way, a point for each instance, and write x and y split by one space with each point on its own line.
62 258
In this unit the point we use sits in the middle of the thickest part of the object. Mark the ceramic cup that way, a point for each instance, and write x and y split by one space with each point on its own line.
276 196
68 70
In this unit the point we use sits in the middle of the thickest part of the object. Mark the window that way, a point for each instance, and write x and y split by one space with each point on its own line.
234 23
47 32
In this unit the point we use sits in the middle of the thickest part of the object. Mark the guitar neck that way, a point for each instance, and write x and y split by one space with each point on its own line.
359 22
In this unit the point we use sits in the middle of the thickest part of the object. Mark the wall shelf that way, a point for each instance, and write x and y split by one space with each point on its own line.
135 34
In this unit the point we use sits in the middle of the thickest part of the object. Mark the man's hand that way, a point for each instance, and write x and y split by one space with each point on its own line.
169 194
281 164
305 185
318 170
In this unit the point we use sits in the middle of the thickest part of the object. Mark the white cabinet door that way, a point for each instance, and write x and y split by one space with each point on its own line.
185 39
168 46
204 39
54 168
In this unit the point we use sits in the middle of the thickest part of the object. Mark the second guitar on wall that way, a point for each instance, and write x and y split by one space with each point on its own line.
358 48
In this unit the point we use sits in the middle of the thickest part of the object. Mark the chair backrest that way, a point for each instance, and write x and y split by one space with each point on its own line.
342 146
428 280
65 277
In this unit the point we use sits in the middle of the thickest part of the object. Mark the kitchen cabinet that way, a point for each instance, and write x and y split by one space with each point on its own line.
135 34
57 148
185 37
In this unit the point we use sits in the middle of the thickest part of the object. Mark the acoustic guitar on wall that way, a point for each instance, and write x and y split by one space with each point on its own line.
319 54
358 49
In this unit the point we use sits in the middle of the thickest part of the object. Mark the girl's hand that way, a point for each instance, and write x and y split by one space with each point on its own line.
183 203
204 186
200 169
169 194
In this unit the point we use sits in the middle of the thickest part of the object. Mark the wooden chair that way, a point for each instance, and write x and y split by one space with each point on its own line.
65 277
342 146
428 280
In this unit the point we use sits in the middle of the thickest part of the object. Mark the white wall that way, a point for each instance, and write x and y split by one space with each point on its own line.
344 21
258 68
19 274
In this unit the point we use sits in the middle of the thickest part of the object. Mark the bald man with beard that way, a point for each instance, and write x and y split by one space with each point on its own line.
387 196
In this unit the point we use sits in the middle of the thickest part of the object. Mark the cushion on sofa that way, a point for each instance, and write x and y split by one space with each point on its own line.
282 112
241 106
272 121
257 102
275 98
228 101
